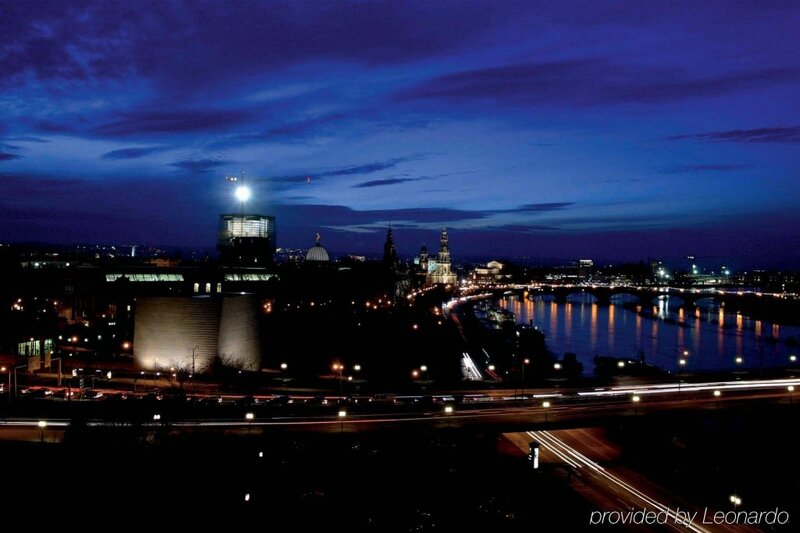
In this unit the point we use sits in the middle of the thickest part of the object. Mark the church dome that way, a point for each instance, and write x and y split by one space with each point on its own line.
317 252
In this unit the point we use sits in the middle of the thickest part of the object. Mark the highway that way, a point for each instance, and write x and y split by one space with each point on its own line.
541 410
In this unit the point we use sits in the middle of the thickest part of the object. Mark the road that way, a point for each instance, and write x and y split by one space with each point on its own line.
590 460
547 411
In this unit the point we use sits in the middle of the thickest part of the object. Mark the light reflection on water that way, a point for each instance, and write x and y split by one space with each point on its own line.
713 338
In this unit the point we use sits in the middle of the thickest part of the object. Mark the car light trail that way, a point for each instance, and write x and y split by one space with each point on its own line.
553 443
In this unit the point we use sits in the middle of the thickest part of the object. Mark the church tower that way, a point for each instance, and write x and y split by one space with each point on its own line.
444 274
389 250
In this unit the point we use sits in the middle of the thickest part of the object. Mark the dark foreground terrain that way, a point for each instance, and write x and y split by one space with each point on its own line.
405 481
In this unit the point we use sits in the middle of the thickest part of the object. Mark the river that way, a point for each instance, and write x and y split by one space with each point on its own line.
663 330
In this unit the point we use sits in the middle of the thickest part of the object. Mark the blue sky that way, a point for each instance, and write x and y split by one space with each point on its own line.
618 130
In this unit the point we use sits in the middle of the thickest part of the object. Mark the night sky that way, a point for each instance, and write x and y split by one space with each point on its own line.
613 130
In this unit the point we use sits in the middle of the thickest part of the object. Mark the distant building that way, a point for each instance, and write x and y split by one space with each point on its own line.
317 252
585 268
246 240
491 274
189 332
443 274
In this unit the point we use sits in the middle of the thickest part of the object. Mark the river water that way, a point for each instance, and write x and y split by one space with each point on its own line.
663 330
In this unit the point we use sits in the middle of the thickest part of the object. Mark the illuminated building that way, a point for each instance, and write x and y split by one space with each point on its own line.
490 274
443 274
246 240
317 252
189 332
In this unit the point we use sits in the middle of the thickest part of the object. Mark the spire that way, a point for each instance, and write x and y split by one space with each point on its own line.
443 241
318 237
389 249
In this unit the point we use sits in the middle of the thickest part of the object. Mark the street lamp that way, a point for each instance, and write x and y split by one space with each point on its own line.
739 360
546 406
342 415
59 368
339 367
8 392
793 358
194 357
525 363
681 364
42 425
16 387
635 399
790 388
735 500
284 366
249 417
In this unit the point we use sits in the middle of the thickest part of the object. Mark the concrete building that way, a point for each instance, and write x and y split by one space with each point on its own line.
189 332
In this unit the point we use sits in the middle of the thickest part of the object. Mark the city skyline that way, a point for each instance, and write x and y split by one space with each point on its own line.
619 130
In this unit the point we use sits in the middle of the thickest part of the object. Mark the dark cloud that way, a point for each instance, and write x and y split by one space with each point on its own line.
54 126
298 128
337 215
6 156
622 180
133 153
28 139
522 228
13 184
532 208
687 169
199 166
82 40
588 82
758 135
368 168
184 121
382 183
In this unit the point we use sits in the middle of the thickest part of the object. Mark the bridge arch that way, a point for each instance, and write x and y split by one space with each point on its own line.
581 297
621 298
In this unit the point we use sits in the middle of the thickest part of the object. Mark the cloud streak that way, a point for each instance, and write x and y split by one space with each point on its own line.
199 166
789 134
384 182
590 82
352 170
7 156
171 122
133 153
688 169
